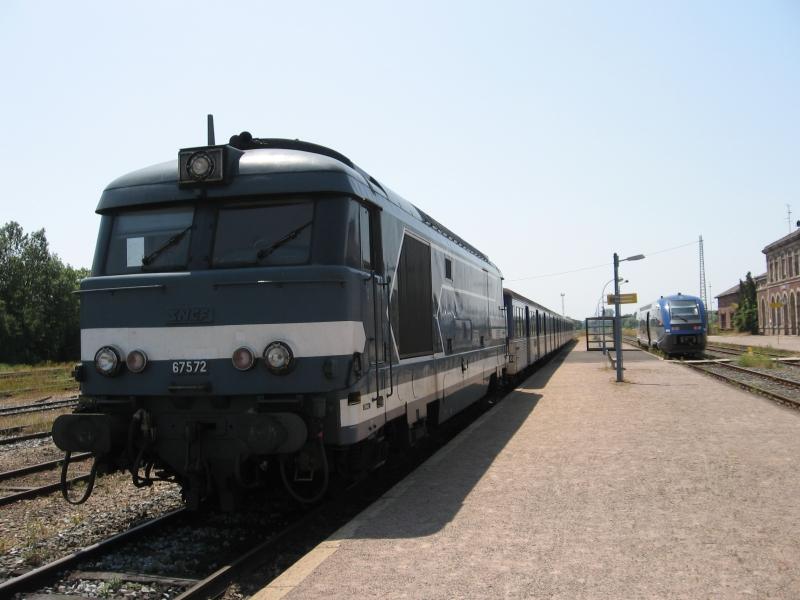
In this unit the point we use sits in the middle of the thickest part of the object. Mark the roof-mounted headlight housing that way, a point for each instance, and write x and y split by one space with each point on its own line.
201 165
107 361
279 358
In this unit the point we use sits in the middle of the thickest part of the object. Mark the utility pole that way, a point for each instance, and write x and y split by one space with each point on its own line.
703 294
789 216
563 314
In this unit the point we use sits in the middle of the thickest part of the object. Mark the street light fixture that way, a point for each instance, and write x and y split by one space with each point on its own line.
617 316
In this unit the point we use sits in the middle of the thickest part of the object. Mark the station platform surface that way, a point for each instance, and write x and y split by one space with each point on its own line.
670 485
783 342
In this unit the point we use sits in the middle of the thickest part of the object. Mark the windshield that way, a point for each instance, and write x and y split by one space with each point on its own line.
272 234
684 309
150 240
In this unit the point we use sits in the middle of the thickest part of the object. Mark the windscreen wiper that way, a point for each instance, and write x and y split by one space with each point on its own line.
265 252
168 244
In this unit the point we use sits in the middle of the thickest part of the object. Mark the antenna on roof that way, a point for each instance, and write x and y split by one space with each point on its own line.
211 141
789 216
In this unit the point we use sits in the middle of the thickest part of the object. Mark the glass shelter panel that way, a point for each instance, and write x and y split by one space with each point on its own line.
600 333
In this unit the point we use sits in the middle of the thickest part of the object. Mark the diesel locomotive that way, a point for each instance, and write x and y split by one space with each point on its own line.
264 313
676 325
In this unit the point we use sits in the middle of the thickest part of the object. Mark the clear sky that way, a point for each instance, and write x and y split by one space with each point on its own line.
549 135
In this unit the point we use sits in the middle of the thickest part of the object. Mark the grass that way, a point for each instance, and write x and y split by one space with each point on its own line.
24 380
33 534
755 359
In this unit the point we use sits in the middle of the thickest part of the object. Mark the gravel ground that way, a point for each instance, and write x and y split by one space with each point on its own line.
15 456
39 530
189 549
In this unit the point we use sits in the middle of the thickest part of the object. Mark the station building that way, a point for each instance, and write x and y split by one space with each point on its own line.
779 296
726 307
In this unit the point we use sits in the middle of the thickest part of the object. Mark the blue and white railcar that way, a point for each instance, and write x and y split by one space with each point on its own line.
674 324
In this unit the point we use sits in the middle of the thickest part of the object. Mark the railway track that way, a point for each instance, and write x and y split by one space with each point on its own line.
8 411
738 351
24 438
786 391
46 573
23 492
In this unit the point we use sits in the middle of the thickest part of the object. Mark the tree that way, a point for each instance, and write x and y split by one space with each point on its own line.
746 317
38 311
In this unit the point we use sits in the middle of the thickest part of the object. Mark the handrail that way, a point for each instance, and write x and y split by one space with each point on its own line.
124 288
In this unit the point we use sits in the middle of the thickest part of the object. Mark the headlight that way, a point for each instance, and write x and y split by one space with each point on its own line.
199 166
278 357
107 361
136 361
243 358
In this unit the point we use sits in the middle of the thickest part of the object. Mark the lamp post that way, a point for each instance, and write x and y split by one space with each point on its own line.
617 316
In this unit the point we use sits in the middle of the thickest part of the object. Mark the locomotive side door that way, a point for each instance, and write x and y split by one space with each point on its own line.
375 310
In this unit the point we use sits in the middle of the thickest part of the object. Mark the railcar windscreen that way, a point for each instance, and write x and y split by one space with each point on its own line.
150 240
684 309
273 234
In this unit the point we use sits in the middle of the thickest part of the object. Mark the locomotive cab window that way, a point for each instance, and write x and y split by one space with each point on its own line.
359 251
267 234
149 240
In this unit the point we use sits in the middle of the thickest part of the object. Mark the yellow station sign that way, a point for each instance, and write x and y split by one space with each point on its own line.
623 299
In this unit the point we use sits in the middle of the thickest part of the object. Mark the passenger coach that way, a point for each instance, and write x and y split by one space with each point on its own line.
533 331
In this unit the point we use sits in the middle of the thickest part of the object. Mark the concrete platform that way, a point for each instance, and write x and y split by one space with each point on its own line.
784 342
671 485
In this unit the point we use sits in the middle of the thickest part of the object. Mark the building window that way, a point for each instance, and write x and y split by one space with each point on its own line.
448 269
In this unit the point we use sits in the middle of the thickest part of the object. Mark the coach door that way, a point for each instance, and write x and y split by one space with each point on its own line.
528 341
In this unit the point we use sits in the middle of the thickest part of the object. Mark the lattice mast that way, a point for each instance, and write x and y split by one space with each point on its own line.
703 293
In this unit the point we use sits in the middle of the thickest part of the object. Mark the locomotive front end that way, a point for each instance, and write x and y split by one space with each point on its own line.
223 322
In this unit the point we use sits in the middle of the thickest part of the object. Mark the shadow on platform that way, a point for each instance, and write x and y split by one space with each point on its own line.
434 494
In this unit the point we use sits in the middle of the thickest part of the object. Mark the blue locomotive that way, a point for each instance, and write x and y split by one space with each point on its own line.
266 313
675 325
